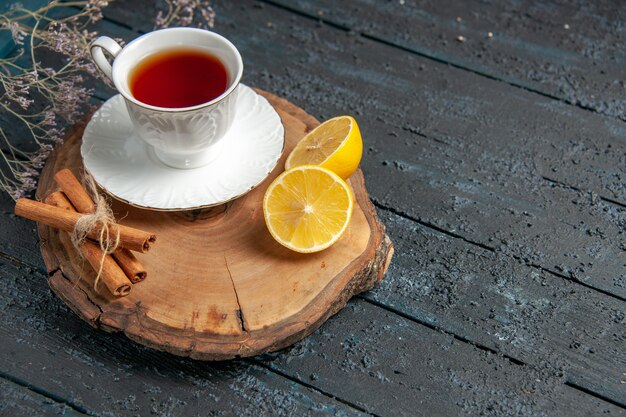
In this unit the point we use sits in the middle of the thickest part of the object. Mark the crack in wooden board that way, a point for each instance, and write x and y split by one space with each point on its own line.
195 304
480 173
384 375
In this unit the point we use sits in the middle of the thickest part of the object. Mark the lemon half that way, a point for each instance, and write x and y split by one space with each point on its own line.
308 208
336 145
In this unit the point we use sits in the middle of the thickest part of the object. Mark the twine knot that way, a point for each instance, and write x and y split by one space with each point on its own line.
102 217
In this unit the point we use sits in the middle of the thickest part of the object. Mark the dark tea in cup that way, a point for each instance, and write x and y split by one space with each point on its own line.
178 78
180 86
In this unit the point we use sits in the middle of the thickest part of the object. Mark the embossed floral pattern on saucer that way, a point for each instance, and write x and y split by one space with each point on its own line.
126 167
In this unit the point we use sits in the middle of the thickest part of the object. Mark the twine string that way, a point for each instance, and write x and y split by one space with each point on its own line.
102 216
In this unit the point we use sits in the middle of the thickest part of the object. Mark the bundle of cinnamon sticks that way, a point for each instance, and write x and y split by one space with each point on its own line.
62 209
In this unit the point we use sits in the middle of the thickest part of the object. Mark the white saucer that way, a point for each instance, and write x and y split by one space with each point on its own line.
126 167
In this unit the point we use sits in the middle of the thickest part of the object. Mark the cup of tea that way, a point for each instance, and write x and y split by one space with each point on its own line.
180 89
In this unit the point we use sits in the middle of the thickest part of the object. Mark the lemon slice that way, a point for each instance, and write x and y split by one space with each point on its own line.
336 144
307 208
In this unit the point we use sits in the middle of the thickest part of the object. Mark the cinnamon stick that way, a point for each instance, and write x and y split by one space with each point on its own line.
83 202
131 266
59 199
74 191
130 238
112 275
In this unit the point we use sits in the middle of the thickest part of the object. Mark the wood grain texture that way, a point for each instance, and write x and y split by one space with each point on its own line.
18 236
449 148
523 312
568 50
440 295
7 45
357 356
504 188
581 65
286 53
16 400
220 286
392 367
105 375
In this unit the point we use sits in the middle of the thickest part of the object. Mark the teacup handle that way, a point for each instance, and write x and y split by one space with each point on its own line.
109 45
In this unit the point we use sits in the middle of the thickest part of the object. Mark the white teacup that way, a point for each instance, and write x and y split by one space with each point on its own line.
186 137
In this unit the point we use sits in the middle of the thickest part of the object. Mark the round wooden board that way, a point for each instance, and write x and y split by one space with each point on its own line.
218 285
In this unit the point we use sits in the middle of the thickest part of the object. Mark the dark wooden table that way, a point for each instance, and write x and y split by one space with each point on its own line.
497 164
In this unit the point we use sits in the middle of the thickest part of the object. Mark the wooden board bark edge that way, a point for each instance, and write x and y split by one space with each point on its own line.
360 275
